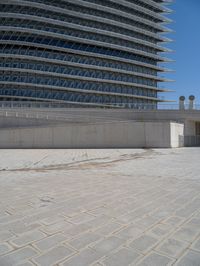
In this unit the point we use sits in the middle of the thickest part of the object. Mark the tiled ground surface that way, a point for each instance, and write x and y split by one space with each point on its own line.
104 207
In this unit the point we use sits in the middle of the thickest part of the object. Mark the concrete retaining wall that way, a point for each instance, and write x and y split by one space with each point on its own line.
102 135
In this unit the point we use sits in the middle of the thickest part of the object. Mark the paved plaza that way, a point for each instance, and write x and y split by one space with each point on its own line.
100 207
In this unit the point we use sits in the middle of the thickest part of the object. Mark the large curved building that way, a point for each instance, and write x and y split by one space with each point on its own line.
83 52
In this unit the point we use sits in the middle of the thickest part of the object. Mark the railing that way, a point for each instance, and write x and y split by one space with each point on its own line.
177 107
26 104
46 116
16 114
18 104
192 141
134 106
58 116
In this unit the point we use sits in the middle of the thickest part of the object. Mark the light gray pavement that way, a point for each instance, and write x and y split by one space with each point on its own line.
100 207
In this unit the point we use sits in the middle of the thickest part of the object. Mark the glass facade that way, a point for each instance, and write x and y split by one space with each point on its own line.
83 52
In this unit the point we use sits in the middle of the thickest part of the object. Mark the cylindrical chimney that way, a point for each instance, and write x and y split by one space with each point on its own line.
182 103
191 102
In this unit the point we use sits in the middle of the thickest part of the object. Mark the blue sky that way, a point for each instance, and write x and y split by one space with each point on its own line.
186 46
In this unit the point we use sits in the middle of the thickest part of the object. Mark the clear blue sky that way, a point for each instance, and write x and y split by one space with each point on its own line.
186 46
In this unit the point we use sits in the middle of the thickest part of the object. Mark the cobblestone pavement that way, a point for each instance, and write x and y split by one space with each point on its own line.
100 207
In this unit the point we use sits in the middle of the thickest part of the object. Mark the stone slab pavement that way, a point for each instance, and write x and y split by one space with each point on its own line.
100 207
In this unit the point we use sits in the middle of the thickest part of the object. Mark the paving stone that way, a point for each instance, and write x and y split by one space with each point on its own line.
194 223
28 238
50 242
161 230
197 215
10 218
17 256
97 264
196 245
131 231
84 240
99 221
124 200
155 259
56 228
108 229
115 212
53 256
5 235
175 220
3 215
84 258
191 258
20 228
98 211
28 263
147 222
52 220
189 209
81 218
4 248
107 245
144 243
76 230
172 247
40 215
161 214
186 234
133 216
123 257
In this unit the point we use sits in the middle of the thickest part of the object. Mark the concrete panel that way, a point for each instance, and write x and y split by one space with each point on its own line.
190 128
177 135
102 135
157 134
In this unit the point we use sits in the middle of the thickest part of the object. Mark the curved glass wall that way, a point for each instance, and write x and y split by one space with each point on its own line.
99 52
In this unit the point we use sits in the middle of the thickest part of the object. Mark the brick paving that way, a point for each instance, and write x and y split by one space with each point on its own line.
100 207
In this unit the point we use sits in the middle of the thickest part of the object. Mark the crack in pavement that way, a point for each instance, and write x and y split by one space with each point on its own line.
85 164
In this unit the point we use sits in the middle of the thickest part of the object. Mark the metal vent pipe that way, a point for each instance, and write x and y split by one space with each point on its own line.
182 103
191 102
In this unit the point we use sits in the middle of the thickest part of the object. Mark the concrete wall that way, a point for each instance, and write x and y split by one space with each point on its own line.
190 128
102 135
157 134
90 115
177 135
